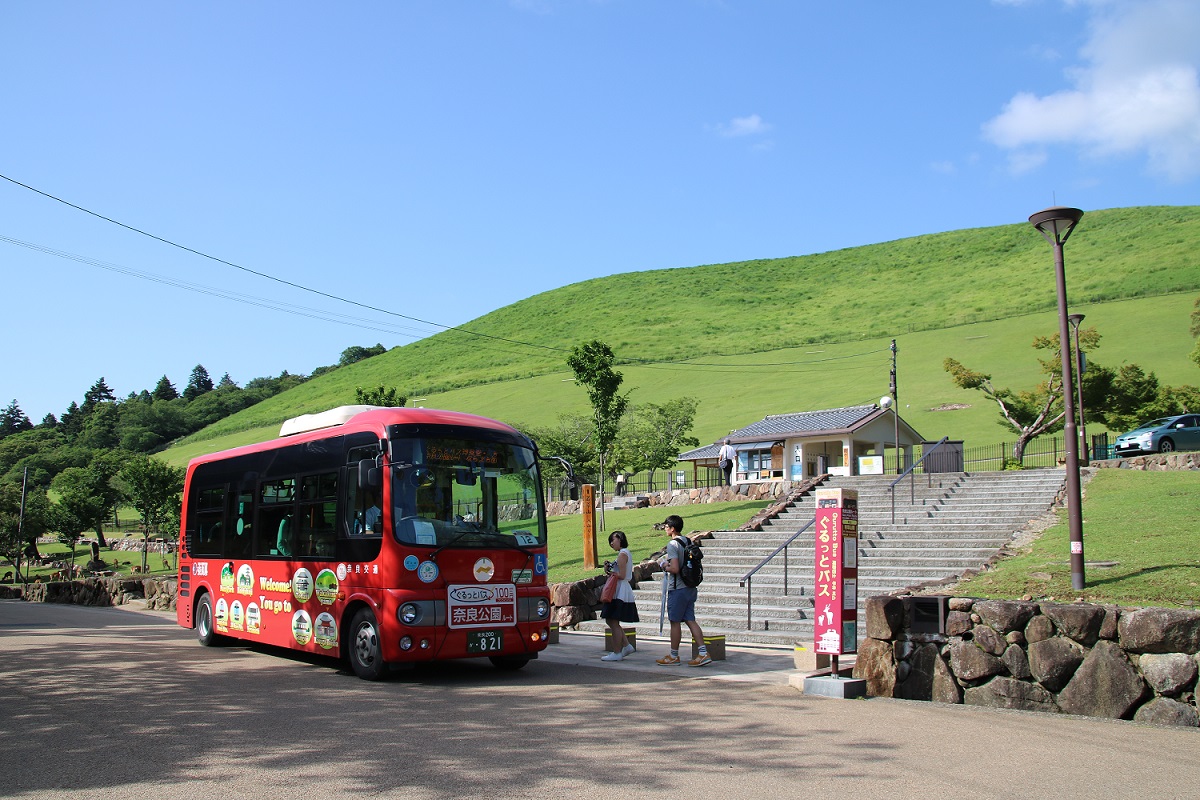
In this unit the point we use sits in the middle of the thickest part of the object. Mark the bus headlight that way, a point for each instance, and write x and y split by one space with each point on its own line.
405 642
543 607
408 613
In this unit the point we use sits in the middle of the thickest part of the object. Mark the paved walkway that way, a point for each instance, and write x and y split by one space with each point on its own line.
762 664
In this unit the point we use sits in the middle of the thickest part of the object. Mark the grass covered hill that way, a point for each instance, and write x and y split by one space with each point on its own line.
789 334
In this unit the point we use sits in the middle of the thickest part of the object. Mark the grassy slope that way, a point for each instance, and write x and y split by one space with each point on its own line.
978 295
1139 525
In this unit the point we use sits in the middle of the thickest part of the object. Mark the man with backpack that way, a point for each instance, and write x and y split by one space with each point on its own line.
682 561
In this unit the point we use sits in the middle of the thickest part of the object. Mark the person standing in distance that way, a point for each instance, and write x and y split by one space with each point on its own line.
681 600
725 460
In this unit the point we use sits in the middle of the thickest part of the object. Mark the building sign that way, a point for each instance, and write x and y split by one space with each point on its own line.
835 630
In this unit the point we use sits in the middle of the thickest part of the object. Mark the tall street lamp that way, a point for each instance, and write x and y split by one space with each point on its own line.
1055 224
1085 458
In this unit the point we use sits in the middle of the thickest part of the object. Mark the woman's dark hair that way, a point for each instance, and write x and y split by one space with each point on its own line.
620 535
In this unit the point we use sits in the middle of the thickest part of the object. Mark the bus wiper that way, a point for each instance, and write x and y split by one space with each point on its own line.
460 535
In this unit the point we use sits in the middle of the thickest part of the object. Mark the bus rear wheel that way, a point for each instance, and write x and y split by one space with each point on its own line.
365 651
507 663
205 632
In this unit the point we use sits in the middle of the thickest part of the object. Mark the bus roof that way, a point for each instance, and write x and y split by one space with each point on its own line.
343 419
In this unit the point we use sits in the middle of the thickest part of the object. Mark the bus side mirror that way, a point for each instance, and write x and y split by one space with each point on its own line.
369 475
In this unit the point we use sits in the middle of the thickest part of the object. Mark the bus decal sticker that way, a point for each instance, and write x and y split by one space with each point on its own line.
411 562
275 606
522 576
271 585
428 572
327 587
221 615
526 539
342 572
484 569
199 568
326 631
302 585
539 563
227 577
236 621
482 606
302 627
245 580
253 618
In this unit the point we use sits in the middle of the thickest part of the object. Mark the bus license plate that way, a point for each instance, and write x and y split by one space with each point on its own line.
485 641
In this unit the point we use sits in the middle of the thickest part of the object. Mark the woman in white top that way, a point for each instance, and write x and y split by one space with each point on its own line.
622 607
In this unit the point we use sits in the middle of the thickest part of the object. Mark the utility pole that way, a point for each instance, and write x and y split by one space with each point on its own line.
895 408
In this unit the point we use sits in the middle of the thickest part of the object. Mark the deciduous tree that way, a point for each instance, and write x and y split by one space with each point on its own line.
152 487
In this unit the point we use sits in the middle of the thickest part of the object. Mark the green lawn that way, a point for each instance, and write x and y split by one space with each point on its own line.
1141 545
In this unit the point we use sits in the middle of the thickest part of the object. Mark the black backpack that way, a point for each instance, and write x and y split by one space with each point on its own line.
691 568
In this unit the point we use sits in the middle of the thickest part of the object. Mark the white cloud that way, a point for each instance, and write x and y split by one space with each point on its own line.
1137 93
743 126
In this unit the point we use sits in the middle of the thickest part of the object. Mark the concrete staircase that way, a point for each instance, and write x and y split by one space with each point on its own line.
956 521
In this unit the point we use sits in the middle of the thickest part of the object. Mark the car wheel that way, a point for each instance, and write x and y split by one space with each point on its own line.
365 651
1166 446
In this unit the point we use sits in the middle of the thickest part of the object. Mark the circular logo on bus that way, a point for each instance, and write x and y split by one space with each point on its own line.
302 585
484 569
302 629
327 587
326 631
411 562
427 572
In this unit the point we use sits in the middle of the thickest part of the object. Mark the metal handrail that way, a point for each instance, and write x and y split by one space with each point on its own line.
912 492
747 580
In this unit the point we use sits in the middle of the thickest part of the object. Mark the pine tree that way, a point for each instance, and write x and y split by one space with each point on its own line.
99 393
165 390
198 384
13 420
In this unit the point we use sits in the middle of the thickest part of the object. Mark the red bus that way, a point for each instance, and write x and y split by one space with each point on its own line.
381 535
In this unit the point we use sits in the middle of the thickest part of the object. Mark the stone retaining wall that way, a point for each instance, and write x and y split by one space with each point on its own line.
1156 463
157 593
1079 658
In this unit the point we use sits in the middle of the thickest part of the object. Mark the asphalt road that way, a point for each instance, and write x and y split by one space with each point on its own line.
113 703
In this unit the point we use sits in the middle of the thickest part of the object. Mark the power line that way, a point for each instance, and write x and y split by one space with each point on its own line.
272 277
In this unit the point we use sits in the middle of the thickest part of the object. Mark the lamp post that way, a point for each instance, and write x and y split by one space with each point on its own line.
1085 458
1055 224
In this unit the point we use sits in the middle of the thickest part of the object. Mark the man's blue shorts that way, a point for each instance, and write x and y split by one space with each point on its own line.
681 604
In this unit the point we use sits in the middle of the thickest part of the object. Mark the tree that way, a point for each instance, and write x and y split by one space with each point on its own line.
97 394
153 488
199 383
356 353
101 483
13 420
652 436
592 364
165 390
388 398
1029 412
75 510
572 441
226 382
18 535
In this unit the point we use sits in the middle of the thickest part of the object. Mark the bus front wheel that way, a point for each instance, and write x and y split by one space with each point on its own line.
366 655
205 632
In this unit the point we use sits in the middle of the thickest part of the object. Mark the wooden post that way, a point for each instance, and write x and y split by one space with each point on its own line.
587 499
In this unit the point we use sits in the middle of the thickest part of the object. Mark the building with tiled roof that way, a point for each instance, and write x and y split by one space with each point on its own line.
839 441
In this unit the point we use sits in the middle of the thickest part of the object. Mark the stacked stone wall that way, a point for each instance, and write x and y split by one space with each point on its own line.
1137 664
155 593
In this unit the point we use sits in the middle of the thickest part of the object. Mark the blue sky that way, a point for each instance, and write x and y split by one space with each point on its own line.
440 160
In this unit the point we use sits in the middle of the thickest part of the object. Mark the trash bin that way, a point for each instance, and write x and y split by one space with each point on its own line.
947 458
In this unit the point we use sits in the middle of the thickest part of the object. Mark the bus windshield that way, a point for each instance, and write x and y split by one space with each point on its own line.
465 493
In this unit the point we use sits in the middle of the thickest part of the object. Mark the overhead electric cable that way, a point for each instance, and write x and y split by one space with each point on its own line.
272 277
